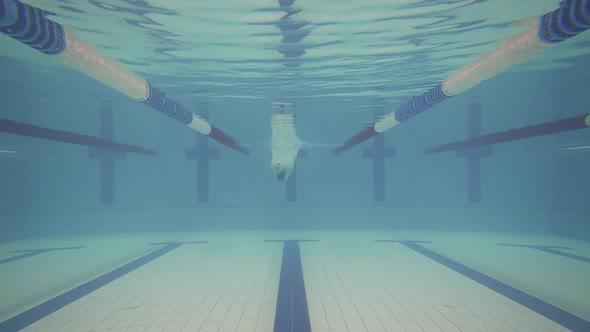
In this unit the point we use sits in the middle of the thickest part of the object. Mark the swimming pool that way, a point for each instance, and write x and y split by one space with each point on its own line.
294 165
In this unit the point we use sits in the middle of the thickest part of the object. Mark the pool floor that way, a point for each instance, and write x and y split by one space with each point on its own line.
296 281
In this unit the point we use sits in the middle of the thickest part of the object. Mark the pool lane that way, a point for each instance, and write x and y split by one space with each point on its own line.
29 281
533 303
48 307
226 285
355 286
555 279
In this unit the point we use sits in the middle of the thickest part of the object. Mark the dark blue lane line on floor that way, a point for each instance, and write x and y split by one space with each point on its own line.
550 249
292 314
537 305
33 252
50 306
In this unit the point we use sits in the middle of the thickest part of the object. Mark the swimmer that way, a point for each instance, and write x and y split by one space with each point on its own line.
285 144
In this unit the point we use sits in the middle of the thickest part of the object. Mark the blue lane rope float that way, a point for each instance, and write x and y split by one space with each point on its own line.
572 18
30 26
421 103
157 100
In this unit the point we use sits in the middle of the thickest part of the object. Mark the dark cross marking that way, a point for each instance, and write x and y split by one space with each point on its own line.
550 249
378 153
202 154
474 155
292 313
535 304
107 157
291 184
52 305
32 252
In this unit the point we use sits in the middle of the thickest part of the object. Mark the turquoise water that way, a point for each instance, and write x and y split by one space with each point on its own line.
343 65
